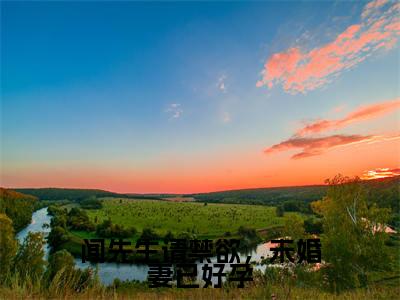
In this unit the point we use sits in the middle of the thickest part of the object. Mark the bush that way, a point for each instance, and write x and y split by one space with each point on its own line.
57 236
149 234
79 220
109 230
91 203
313 225
59 261
59 220
280 210
168 237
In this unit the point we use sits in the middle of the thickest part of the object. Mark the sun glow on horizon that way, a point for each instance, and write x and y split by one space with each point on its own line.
380 173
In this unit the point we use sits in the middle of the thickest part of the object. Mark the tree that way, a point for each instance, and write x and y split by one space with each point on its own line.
91 203
313 225
60 261
18 207
29 262
280 210
353 242
294 227
8 246
63 277
168 236
59 220
57 237
149 234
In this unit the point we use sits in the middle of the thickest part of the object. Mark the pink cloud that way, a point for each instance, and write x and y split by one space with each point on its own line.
299 71
372 6
360 114
339 108
311 146
380 173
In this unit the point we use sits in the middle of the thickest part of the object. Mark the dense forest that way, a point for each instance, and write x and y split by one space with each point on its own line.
265 196
17 206
385 192
76 195
67 194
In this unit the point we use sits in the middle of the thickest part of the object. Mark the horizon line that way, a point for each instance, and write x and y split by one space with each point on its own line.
214 191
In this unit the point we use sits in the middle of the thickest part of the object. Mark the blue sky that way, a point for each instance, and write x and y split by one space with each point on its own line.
135 87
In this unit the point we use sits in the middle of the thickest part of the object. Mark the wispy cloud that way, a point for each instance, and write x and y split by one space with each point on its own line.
362 113
221 85
380 173
339 108
174 110
226 117
311 146
298 70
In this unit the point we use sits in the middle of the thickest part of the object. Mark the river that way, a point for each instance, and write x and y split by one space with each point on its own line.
110 271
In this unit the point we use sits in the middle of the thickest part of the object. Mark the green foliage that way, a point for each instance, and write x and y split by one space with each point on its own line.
168 237
246 232
296 205
109 230
59 261
293 227
297 198
59 220
77 195
354 240
248 237
149 234
313 225
386 194
57 236
29 262
18 207
63 278
54 210
8 246
280 211
91 203
79 220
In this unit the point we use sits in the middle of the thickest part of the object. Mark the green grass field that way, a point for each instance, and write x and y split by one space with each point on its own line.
203 220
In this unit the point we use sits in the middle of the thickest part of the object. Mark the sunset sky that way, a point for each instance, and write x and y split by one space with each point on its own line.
184 97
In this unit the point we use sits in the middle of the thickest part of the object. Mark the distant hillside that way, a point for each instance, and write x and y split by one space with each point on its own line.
265 196
76 195
385 192
384 182
67 194
17 206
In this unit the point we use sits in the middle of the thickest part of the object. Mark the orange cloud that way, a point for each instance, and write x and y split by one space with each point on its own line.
312 146
360 114
299 71
380 173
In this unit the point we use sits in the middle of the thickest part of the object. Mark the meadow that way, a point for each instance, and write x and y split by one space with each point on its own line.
204 220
